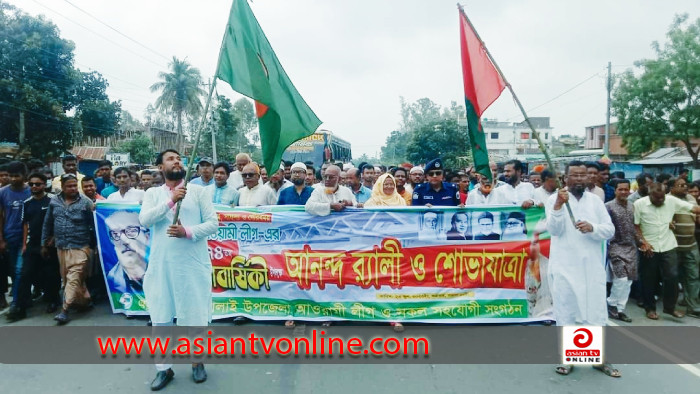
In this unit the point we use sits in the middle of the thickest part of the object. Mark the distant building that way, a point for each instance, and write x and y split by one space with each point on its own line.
507 140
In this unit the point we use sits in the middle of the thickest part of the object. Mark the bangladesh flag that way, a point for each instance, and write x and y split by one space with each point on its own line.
248 63
482 86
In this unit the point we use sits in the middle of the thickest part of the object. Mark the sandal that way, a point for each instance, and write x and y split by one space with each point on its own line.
652 315
608 369
675 314
398 327
564 369
289 324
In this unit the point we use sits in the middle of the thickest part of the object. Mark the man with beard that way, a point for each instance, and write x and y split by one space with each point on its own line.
254 194
278 182
435 192
178 280
330 197
360 191
221 191
300 193
643 182
480 195
576 256
514 192
416 177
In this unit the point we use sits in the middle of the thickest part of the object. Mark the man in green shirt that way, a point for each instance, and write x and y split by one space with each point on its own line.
653 217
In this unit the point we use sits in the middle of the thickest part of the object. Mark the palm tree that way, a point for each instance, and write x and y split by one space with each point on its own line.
181 92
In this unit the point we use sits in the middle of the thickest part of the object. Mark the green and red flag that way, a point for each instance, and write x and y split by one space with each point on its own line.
482 86
248 63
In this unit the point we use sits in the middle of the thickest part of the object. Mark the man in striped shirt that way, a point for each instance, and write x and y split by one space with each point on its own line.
688 256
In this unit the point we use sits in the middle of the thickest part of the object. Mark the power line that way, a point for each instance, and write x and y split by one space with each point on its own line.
99 35
118 32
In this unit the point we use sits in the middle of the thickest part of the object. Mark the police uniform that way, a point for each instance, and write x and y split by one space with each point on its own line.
423 194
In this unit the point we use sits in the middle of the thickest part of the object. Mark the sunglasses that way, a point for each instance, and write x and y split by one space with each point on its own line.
434 173
31 184
247 175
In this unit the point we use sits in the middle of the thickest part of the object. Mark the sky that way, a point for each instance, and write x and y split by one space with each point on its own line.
353 60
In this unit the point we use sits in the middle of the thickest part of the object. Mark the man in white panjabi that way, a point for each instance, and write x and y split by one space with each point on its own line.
253 194
331 197
178 279
576 256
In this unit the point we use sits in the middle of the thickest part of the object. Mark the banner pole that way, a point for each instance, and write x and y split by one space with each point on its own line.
535 133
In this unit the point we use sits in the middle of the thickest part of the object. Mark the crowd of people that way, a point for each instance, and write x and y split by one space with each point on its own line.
47 234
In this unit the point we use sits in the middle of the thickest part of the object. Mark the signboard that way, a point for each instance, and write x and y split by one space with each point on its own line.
119 159
411 264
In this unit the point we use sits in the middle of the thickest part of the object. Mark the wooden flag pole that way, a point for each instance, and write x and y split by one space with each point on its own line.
193 155
535 133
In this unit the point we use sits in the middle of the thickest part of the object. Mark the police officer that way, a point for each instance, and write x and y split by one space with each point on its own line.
435 192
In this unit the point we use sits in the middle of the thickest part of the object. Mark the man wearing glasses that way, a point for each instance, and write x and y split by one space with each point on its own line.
254 194
435 192
130 240
330 197
69 226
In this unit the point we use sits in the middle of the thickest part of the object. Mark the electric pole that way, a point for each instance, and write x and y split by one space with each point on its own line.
606 146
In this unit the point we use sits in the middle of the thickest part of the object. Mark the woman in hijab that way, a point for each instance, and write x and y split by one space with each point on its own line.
384 193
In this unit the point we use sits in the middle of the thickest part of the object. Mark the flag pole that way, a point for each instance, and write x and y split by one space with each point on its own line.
535 133
200 129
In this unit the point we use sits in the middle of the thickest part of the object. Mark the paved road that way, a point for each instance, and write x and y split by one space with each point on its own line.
397 378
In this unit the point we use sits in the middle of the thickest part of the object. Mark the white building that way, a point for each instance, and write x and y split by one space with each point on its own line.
506 140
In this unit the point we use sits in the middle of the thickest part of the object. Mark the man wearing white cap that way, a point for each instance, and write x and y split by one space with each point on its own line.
416 176
278 182
300 193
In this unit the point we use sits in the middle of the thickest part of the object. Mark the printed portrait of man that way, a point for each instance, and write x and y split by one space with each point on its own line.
130 241
431 226
514 227
484 228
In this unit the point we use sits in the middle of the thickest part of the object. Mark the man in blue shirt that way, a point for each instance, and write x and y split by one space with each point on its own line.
435 191
12 199
104 176
298 194
221 191
206 172
362 193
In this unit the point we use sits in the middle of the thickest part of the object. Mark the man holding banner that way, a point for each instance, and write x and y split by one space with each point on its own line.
178 280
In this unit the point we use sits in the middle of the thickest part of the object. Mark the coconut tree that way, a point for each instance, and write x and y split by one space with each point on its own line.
181 93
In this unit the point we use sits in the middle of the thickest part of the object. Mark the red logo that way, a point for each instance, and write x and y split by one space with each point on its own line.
584 339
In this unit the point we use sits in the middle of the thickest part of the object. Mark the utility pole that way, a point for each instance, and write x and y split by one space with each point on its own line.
606 146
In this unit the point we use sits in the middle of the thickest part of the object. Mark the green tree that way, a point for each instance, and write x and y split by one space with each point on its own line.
224 123
181 93
394 149
659 103
39 87
140 147
442 138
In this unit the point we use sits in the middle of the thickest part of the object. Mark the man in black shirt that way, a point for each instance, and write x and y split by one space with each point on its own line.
45 270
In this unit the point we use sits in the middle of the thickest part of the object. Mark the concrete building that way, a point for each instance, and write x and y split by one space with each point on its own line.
507 140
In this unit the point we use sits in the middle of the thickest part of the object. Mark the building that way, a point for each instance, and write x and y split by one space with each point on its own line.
595 139
507 140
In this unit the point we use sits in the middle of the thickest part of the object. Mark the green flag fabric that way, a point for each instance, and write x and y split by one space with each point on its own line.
248 63
482 86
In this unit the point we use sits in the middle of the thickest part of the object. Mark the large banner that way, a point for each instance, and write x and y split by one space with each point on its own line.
472 265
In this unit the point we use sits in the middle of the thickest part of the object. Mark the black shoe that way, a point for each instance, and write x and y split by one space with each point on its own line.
622 316
693 314
52 307
62 318
612 312
37 295
199 375
162 379
16 314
